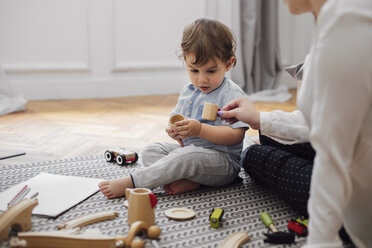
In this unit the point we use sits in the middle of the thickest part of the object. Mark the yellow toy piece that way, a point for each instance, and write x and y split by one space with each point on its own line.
215 217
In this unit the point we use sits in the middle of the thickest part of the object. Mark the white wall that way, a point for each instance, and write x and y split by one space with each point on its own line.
295 37
53 49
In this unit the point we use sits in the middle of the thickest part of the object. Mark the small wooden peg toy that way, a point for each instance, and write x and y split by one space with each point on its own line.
17 217
174 119
210 112
275 237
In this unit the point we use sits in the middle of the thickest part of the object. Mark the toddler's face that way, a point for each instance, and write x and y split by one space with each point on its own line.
209 76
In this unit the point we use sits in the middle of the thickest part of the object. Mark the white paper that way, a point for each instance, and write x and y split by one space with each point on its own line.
57 193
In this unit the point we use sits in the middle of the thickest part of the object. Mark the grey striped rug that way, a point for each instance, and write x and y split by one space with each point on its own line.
243 201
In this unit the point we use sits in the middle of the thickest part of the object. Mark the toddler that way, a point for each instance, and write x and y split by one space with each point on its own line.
206 152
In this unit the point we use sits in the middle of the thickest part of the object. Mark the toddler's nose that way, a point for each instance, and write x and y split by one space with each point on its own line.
202 79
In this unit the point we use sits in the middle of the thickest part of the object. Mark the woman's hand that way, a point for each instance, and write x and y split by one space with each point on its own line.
174 135
241 109
187 128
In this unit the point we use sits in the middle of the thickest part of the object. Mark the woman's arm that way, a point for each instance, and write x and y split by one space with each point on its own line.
284 127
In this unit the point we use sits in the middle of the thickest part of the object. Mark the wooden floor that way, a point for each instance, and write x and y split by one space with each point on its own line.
56 129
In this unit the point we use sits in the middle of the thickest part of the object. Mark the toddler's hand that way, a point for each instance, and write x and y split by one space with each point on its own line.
187 128
174 135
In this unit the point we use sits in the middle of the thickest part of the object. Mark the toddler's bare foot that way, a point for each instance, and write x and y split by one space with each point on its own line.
116 187
180 186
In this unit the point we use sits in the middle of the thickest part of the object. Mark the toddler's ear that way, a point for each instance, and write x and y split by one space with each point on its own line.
230 63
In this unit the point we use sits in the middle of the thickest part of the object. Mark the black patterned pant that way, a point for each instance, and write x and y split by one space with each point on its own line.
285 169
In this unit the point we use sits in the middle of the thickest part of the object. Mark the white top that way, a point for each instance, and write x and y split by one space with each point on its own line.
284 127
336 101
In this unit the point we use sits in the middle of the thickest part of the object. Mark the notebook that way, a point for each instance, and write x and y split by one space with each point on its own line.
56 193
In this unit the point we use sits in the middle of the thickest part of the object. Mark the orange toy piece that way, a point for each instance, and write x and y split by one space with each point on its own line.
17 217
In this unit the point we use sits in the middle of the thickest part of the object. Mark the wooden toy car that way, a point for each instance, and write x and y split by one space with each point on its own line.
297 227
121 155
215 217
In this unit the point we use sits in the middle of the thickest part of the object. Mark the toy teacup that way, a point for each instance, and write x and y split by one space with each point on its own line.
141 203
174 119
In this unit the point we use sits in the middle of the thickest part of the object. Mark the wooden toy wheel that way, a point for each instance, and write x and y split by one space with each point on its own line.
120 160
109 156
136 158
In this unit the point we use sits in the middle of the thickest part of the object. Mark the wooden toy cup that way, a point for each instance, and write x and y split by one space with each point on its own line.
210 112
174 119
141 203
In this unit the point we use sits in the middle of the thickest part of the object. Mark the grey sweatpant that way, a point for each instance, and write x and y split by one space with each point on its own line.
166 163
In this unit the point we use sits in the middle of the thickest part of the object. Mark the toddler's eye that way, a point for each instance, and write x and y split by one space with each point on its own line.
211 71
193 70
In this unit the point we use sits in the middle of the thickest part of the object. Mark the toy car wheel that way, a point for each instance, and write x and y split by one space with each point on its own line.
304 232
109 156
120 160
136 158
210 215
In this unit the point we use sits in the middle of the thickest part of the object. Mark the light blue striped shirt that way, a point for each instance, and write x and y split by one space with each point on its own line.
191 103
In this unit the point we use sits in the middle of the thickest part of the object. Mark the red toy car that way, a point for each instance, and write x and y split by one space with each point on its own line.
297 227
121 155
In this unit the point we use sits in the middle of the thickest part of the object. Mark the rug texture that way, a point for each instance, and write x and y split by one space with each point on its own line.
243 202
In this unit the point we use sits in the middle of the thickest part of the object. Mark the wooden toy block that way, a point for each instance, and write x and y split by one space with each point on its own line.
210 112
17 217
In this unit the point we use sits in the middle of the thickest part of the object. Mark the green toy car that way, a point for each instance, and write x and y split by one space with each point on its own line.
121 156
215 217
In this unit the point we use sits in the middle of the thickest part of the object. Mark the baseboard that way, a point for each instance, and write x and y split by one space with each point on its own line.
47 89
